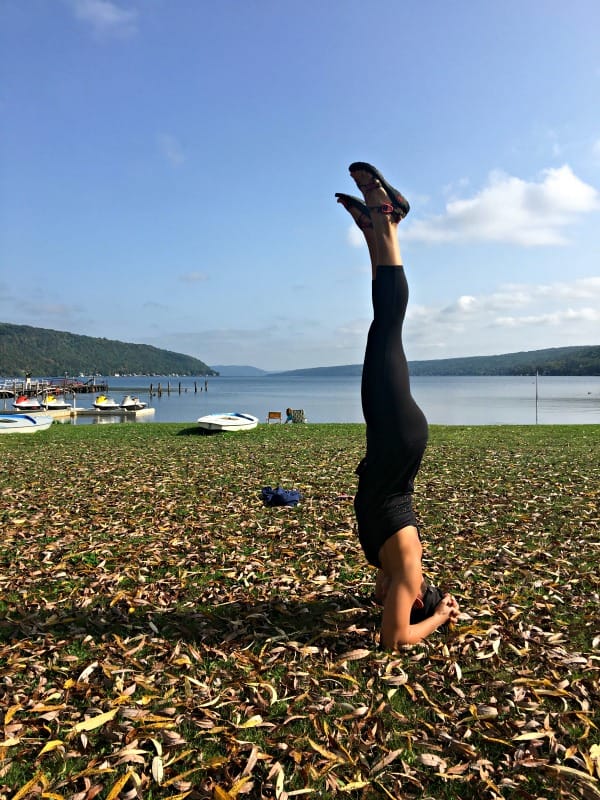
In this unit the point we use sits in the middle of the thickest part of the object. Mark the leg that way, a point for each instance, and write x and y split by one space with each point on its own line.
380 231
362 217
387 208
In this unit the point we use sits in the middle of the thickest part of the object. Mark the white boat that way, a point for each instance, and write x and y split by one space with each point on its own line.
55 403
25 403
23 423
232 421
104 403
129 403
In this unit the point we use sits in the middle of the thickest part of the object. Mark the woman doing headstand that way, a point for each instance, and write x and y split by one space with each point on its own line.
396 429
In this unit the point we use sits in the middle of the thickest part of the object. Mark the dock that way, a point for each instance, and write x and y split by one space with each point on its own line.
112 412
64 413
29 388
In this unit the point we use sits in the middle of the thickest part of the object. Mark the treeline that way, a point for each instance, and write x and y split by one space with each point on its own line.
44 352
552 361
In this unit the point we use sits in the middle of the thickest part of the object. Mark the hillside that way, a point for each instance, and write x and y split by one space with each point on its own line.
238 371
45 352
552 361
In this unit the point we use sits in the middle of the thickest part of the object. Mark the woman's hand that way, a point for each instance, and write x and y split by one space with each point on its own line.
447 609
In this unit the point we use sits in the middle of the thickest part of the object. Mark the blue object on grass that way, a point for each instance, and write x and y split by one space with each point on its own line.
280 497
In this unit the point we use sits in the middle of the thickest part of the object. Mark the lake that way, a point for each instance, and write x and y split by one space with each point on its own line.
445 400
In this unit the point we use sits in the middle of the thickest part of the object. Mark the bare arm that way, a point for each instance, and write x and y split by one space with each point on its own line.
396 629
401 559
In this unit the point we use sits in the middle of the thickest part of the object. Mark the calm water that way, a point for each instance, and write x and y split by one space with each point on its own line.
445 400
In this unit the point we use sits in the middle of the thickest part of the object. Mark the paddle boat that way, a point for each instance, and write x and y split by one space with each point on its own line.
24 403
23 423
104 403
232 421
55 403
129 403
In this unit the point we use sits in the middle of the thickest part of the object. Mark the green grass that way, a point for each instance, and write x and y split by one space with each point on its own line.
142 578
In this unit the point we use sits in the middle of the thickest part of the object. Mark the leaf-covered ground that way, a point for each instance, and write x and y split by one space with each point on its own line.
164 635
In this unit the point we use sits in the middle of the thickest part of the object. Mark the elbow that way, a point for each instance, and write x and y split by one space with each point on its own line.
392 640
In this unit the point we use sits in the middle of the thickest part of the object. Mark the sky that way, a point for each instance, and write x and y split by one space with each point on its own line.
168 171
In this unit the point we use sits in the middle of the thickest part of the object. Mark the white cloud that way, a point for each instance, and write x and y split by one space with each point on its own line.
568 315
515 317
512 210
105 17
193 277
171 149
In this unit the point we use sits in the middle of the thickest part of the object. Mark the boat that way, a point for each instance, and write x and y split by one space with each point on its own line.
232 421
55 403
129 403
23 423
24 403
104 403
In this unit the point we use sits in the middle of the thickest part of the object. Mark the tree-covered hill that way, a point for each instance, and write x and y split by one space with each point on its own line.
45 352
553 361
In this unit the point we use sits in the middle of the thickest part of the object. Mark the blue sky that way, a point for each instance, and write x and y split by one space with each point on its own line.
169 168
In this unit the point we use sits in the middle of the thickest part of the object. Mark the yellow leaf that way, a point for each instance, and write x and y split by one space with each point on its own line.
114 792
50 746
216 761
95 722
43 708
342 677
180 796
11 712
410 690
238 785
324 752
530 737
24 790
9 743
182 775
353 785
221 794
271 689
252 722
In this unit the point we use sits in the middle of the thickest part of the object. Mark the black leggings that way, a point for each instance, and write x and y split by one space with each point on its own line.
396 426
